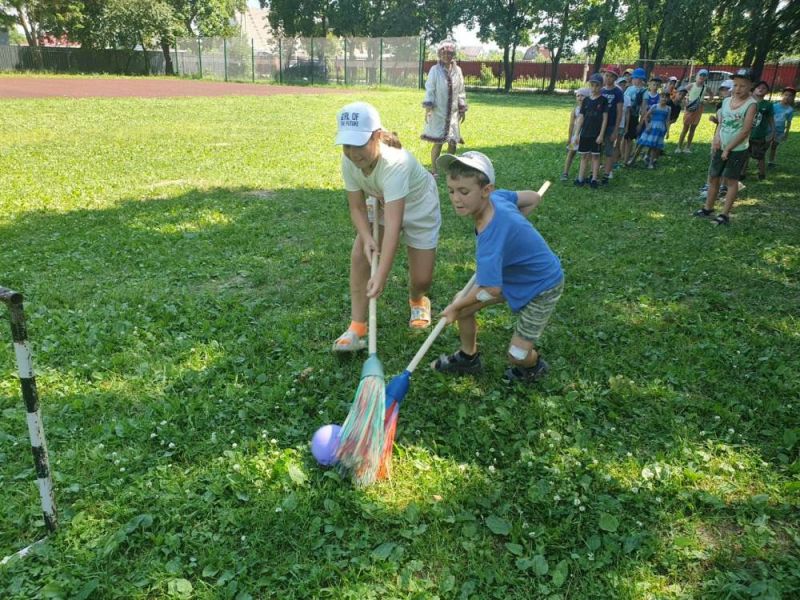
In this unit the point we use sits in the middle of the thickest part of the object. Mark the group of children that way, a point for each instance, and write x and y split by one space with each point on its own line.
748 125
514 264
620 118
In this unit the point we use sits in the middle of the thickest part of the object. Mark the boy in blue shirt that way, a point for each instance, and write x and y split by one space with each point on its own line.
514 265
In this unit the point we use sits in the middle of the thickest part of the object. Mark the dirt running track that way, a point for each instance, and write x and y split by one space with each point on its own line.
76 87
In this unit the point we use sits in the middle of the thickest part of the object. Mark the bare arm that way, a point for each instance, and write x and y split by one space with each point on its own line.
602 129
358 215
469 304
527 201
393 221
571 125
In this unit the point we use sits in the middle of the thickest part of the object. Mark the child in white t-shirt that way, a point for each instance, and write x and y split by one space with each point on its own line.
407 194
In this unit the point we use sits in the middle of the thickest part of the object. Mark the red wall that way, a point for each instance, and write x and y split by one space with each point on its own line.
778 76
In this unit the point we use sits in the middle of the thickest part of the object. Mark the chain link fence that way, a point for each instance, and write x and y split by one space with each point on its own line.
395 61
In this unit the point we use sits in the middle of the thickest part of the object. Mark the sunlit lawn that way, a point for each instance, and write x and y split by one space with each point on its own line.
185 263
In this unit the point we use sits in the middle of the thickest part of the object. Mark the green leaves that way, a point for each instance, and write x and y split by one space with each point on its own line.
608 522
498 525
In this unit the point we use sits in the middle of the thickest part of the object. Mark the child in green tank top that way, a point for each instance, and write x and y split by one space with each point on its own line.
729 147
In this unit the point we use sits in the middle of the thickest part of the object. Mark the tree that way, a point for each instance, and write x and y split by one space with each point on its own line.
559 23
295 18
38 18
602 19
507 23
128 23
441 18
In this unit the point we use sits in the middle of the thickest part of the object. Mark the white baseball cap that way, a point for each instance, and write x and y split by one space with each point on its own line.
728 83
476 160
356 123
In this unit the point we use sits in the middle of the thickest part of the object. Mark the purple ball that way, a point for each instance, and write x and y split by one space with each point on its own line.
325 443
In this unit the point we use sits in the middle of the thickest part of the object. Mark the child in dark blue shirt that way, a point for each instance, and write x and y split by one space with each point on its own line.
514 265
592 124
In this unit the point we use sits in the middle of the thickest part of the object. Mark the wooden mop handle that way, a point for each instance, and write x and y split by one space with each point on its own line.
426 345
373 302
544 188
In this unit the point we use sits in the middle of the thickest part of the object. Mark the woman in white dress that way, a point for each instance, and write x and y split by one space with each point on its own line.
445 103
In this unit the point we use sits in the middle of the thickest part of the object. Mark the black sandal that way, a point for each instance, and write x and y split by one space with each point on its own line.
703 212
722 220
532 374
458 364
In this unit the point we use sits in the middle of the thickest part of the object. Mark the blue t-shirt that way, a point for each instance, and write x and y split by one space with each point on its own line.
513 256
783 116
613 95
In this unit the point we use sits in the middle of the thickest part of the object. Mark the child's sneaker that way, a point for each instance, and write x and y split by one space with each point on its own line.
704 189
564 177
579 182
349 341
703 212
527 374
723 189
594 184
605 179
458 363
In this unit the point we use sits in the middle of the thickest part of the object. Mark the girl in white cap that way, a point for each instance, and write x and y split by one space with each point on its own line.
376 168
445 103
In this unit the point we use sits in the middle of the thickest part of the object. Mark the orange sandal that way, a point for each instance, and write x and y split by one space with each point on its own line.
420 314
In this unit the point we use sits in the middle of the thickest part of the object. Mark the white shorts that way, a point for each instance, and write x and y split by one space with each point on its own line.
414 234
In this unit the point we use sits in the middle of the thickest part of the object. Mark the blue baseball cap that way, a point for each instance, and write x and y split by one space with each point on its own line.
638 73
703 72
596 78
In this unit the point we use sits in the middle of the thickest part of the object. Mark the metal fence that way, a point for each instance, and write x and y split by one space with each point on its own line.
312 61
395 61
78 60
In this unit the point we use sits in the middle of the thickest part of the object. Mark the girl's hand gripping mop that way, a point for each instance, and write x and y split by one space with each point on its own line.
362 434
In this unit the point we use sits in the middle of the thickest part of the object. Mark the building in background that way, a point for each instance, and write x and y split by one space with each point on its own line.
254 25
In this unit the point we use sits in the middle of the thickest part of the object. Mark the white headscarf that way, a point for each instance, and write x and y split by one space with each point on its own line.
447 45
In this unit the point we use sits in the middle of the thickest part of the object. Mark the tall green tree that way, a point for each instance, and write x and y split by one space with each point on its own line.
559 22
39 18
507 23
602 19
441 17
128 23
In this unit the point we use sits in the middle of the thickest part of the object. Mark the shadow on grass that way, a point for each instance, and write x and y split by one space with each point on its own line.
172 329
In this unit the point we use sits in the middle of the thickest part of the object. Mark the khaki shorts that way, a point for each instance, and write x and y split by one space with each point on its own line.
534 316
693 117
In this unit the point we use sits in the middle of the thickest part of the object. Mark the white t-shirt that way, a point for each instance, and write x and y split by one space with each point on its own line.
398 175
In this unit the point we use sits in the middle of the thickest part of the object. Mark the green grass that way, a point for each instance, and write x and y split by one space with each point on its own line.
185 266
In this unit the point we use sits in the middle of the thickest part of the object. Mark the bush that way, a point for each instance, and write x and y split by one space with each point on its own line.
486 77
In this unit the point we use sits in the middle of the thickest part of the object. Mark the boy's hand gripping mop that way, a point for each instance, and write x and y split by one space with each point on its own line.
398 386
362 434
